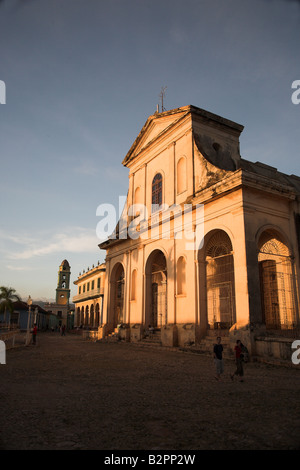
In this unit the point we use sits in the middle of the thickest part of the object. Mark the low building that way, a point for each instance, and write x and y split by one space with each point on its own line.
89 298
23 318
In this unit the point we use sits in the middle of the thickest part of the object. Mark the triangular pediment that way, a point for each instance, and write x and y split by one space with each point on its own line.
155 126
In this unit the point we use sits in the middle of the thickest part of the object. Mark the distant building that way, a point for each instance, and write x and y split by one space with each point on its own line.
62 308
38 315
22 319
89 298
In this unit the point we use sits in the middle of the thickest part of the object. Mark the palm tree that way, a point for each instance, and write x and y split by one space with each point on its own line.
8 295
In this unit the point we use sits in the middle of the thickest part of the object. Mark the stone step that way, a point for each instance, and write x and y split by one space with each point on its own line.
214 338
216 333
206 345
152 339
209 348
211 343
110 338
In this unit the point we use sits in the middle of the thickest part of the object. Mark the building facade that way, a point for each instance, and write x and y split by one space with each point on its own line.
211 240
89 299
24 318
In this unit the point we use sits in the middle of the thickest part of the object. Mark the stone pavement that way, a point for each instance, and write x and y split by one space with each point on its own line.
66 393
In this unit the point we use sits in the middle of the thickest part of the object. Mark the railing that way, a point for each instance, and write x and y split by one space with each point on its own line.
88 295
11 338
8 326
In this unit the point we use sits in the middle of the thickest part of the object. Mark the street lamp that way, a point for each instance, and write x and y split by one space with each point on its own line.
29 303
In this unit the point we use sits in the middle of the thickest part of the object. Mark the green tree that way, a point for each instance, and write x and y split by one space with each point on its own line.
8 295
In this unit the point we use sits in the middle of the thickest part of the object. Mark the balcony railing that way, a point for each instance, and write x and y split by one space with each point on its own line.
91 294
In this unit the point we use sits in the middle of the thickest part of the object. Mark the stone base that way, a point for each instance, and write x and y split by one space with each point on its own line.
103 331
188 334
169 336
124 333
274 350
136 332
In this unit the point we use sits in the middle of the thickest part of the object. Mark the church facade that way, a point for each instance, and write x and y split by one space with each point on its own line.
208 241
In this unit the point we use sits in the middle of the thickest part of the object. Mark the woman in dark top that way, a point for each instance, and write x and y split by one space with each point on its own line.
239 361
218 350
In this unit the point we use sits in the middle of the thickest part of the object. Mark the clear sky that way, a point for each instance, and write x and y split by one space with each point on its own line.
82 77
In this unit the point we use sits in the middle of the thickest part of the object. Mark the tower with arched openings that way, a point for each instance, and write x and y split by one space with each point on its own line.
62 309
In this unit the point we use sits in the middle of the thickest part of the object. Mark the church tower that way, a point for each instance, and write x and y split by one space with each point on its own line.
63 284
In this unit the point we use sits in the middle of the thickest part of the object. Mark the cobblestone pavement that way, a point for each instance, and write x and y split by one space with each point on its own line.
66 393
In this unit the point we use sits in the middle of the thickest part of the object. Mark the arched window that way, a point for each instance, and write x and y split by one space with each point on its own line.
181 175
78 317
220 281
156 191
119 293
86 319
133 284
277 282
97 319
91 319
181 276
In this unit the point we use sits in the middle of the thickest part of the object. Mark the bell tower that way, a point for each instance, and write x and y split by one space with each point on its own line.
63 284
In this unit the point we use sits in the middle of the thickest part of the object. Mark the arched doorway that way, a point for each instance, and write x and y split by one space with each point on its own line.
86 319
97 318
220 289
91 322
77 323
277 282
117 282
156 290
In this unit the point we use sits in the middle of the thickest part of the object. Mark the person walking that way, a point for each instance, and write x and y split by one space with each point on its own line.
239 362
34 333
218 358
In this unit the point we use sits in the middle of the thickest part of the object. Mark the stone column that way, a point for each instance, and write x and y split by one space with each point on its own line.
240 270
105 304
202 296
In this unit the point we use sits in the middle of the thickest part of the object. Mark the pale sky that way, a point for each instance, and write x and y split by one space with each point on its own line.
82 77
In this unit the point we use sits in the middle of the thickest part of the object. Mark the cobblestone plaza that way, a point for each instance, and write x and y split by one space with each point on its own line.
66 393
